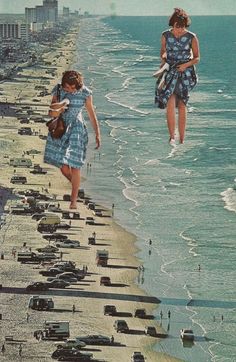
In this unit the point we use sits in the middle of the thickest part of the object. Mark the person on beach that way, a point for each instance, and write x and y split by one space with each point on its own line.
69 152
176 76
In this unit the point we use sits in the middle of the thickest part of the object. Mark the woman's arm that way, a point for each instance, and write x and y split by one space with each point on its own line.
163 50
196 55
93 119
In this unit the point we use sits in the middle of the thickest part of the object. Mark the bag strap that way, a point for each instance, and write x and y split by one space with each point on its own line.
58 92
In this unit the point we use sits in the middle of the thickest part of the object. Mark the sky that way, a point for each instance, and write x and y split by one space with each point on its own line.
130 7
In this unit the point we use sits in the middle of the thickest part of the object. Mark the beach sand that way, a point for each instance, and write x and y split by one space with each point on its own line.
122 269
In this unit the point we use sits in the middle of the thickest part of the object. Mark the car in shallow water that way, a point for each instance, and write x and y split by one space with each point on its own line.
186 334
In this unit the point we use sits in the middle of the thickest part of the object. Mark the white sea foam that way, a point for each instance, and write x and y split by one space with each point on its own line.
229 197
152 162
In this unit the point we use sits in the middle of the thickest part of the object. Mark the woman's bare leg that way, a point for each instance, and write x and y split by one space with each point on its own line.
75 181
66 171
182 120
170 114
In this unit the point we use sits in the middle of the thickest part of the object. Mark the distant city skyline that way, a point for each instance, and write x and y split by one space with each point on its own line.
130 7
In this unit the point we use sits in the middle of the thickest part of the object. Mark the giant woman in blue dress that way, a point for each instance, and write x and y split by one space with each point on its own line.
176 77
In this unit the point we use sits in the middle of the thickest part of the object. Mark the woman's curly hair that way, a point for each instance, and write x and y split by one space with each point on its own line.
72 77
180 18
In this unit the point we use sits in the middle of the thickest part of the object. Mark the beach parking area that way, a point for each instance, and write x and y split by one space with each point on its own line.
19 232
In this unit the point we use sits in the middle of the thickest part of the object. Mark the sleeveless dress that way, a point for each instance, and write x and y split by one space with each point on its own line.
70 149
178 51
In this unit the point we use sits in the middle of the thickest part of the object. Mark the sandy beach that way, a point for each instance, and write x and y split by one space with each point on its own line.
87 295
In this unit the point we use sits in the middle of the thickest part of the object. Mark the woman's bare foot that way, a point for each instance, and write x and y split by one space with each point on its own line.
73 205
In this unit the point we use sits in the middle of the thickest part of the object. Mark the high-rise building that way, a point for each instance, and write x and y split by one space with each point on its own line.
14 31
66 12
51 10
40 14
30 15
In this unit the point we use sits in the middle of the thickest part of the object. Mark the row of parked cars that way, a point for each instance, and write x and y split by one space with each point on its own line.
60 275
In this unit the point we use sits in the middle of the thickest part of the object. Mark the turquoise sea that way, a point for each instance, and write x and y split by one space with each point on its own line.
182 198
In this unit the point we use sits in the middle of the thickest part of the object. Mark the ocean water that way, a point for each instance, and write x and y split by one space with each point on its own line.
181 198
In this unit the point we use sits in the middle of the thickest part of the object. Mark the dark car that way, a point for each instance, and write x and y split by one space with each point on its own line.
55 237
137 357
121 325
95 339
150 330
51 272
48 249
63 225
47 228
37 216
110 310
75 358
62 354
105 281
140 313
59 284
37 286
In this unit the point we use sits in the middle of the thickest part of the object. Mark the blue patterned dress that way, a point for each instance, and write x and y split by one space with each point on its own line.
70 149
179 83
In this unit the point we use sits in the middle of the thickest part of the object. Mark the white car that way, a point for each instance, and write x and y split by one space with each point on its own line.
186 334
67 244
71 343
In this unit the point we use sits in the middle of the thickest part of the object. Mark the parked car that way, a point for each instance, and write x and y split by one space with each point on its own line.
109 310
45 228
37 286
58 283
18 180
64 276
71 343
105 281
150 330
67 244
121 325
94 339
33 151
55 236
137 357
48 249
89 220
37 216
63 225
66 353
186 334
140 313
52 272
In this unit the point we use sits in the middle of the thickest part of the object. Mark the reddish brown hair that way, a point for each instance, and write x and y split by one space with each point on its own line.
180 18
72 77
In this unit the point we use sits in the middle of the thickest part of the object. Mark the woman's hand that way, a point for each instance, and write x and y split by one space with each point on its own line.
181 68
98 141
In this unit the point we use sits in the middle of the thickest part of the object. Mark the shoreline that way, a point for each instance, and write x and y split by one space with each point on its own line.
115 232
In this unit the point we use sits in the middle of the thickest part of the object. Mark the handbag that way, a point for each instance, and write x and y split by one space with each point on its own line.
57 126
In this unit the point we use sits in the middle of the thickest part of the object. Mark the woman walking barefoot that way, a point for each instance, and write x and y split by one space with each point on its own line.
69 152
180 52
